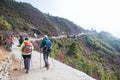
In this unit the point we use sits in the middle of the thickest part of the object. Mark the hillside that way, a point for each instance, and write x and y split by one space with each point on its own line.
24 17
96 54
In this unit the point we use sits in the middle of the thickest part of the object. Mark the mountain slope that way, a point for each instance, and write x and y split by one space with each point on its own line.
97 54
23 16
92 53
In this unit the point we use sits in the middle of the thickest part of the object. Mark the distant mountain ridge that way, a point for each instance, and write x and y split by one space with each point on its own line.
23 16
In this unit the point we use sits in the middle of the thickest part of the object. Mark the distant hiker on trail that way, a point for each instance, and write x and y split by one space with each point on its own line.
11 41
21 40
26 48
46 47
35 35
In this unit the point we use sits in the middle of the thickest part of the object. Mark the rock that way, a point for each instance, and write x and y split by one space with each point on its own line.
15 69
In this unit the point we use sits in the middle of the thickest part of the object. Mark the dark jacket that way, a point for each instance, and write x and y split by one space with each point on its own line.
42 42
21 40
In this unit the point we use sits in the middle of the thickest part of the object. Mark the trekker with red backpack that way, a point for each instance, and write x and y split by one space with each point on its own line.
26 48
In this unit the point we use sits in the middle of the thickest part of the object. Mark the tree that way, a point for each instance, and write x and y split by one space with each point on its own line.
73 50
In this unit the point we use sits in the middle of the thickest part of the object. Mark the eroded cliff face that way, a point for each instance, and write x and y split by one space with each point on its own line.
4 40
5 62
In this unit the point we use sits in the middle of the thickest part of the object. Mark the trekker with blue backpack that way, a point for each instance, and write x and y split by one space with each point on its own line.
46 47
26 48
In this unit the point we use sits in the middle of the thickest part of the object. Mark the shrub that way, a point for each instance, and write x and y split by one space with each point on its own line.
4 25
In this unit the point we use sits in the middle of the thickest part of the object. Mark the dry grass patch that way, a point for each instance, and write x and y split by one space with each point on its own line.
3 54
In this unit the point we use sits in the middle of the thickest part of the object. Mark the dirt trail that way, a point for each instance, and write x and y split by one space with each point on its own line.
57 71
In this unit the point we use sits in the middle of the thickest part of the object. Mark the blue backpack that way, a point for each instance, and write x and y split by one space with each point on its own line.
48 45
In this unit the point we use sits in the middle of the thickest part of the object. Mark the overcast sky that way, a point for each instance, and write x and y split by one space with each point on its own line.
96 14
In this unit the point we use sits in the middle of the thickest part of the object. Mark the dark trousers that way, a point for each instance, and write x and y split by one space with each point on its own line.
27 59
45 57
10 45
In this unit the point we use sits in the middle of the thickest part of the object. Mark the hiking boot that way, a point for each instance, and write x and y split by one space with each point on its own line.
25 67
47 66
27 71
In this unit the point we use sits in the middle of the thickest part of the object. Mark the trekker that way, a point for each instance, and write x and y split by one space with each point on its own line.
11 41
46 47
21 40
35 35
26 48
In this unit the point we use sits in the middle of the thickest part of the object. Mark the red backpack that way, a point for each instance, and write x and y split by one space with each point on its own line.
28 47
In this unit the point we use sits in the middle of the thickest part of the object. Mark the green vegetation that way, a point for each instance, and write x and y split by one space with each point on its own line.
97 54
4 25
23 16
90 55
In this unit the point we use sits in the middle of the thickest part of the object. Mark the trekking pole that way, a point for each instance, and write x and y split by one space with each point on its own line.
31 62
40 59
20 62
52 61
